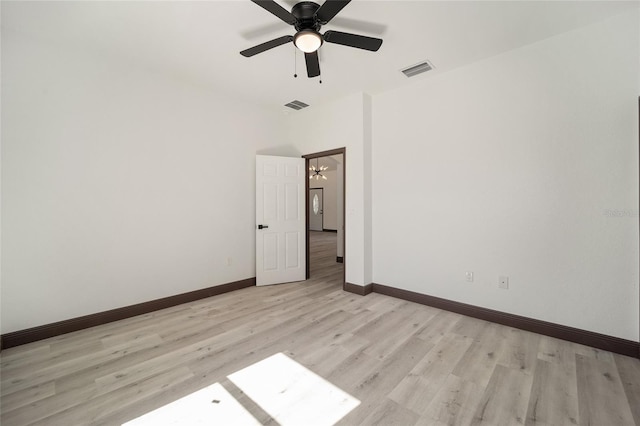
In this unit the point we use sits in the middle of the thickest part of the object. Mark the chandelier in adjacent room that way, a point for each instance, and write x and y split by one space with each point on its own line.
316 171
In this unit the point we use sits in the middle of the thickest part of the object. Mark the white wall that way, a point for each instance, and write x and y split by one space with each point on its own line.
367 187
525 165
119 185
335 125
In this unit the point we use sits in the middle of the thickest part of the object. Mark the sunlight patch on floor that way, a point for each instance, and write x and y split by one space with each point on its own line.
212 405
292 394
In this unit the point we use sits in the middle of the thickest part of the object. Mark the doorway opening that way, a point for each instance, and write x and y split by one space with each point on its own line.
336 161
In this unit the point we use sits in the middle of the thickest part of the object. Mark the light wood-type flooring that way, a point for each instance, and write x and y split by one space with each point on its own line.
408 364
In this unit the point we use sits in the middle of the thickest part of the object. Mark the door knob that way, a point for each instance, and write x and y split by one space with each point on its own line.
263 226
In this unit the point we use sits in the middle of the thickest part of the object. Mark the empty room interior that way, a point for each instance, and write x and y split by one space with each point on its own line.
314 213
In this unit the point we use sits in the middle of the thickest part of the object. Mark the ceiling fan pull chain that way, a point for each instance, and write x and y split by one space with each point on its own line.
295 63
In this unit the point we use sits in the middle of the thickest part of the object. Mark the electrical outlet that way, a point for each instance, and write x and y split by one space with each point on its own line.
469 276
228 261
503 282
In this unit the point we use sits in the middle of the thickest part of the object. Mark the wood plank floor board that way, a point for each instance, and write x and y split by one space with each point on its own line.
145 358
27 353
225 358
27 396
439 325
428 421
379 382
46 408
406 363
479 362
601 395
320 348
407 324
557 351
554 396
377 303
521 350
381 323
16 380
106 330
92 410
113 327
393 368
423 382
390 413
54 354
594 353
324 356
353 370
505 399
455 402
629 369
470 327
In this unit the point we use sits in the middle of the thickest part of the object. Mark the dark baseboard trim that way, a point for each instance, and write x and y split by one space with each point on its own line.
329 230
340 259
584 337
29 335
358 289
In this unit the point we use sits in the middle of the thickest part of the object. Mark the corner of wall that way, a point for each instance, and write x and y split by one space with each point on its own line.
367 133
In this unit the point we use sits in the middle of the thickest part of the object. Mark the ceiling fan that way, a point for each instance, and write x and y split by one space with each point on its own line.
307 17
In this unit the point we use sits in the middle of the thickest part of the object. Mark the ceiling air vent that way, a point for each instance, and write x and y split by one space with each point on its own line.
297 105
417 69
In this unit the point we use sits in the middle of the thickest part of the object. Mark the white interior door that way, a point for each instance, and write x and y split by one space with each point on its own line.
316 222
280 220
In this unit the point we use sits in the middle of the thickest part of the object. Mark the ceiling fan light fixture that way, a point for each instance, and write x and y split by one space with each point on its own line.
308 40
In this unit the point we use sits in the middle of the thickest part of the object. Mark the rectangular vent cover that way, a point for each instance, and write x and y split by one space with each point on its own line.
297 105
417 69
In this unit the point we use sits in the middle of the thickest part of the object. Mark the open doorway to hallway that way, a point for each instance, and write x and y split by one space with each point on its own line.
325 200
322 257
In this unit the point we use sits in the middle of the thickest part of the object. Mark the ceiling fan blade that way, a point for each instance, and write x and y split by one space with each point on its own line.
266 46
266 30
313 64
353 40
359 26
277 10
329 9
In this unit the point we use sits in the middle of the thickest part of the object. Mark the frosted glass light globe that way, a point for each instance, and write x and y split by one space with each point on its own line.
308 41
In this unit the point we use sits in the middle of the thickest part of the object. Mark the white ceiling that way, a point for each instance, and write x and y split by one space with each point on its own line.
200 41
331 162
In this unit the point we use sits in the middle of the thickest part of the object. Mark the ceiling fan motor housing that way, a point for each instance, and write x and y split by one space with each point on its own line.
305 12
